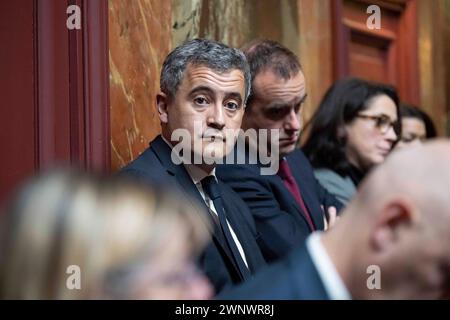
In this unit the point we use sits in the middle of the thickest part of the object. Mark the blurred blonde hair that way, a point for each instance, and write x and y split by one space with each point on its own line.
64 218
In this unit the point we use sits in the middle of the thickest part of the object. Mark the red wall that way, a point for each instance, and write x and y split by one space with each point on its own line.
17 109
54 89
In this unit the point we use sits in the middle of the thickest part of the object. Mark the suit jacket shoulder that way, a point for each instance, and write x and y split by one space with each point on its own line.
294 277
304 174
155 166
279 219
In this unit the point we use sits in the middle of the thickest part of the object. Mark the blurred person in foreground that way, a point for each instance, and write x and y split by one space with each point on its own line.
109 228
398 224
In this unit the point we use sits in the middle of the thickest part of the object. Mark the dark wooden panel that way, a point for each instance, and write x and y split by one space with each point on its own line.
17 113
52 58
54 88
388 55
408 57
96 85
368 57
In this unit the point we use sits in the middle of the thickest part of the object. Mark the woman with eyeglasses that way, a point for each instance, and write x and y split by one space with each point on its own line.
355 127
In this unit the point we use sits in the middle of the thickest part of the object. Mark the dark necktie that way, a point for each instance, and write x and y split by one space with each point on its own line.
285 174
211 188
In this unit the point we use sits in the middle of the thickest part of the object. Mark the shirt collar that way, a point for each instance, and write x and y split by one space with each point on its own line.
194 172
334 286
198 174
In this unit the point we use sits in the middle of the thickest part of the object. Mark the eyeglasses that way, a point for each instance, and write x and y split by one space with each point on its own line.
382 122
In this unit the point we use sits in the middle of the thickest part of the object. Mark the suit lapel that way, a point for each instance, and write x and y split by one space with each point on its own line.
292 200
182 178
307 192
238 223
282 186
163 152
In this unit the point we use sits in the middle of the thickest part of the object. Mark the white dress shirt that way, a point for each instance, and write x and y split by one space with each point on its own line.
197 175
334 286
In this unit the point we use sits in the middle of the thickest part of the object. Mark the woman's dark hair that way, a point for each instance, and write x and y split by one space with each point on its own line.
409 111
325 146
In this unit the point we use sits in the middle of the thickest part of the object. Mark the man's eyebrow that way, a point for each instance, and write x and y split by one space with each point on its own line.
288 105
278 106
232 94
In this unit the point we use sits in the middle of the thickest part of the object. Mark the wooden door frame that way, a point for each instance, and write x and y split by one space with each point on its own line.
404 50
72 85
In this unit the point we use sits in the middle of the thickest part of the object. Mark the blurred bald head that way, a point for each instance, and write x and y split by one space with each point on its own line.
420 174
400 222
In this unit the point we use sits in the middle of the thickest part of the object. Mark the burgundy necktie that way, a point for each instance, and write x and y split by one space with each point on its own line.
285 174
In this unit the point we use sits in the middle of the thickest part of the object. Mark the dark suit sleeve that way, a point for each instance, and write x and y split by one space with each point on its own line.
269 216
148 177
294 277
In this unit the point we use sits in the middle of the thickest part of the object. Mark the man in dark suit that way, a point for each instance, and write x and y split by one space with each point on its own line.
204 88
294 277
392 241
288 204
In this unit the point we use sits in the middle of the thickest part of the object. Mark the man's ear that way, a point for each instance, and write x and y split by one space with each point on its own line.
395 215
162 103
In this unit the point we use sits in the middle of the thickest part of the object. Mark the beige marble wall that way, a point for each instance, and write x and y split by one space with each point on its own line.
139 40
316 51
236 22
142 32
303 26
446 54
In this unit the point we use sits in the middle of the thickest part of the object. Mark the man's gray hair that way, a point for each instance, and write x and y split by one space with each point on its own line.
202 52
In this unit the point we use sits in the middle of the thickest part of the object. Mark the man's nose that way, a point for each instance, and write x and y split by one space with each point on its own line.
391 135
292 121
216 116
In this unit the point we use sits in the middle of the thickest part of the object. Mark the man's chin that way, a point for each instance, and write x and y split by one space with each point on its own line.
285 150
218 148
212 154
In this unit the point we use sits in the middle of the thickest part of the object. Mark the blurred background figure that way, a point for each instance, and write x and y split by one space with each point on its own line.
354 128
126 241
416 126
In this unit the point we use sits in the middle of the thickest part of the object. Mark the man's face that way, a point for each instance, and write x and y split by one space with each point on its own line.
206 105
276 105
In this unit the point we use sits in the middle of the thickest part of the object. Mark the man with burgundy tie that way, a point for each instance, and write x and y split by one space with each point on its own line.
291 204
204 88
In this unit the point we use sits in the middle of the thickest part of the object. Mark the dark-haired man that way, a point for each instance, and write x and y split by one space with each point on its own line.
289 204
204 88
